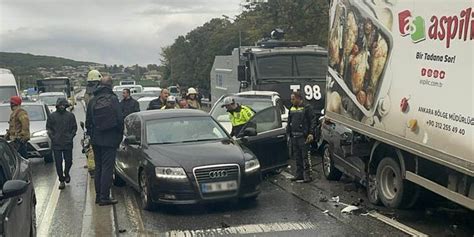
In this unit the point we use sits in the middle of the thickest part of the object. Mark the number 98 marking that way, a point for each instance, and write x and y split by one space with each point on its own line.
312 92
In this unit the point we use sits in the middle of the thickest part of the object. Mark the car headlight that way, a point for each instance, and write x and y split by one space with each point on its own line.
42 133
170 173
252 165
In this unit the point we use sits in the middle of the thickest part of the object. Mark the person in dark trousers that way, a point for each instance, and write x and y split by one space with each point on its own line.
301 125
18 126
62 127
128 104
158 103
104 122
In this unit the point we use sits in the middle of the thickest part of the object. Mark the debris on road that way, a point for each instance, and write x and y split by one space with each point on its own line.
326 212
349 209
323 199
335 199
224 225
122 230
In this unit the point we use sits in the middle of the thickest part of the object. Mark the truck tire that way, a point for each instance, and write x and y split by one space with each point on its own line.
393 190
372 190
329 170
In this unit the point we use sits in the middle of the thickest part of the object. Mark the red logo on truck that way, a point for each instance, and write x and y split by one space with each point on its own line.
442 28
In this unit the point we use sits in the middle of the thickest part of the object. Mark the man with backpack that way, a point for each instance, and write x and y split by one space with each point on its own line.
104 122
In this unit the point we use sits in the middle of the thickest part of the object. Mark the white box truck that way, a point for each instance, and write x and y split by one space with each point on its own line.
400 98
8 86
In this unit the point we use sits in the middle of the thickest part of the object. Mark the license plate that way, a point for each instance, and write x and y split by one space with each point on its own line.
219 186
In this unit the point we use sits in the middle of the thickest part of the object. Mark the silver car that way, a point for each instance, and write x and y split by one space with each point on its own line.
39 144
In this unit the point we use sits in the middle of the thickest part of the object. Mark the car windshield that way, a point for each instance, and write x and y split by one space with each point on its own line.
35 112
288 66
221 114
182 130
50 100
6 92
173 90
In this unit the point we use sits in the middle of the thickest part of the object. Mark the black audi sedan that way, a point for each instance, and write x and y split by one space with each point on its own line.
186 157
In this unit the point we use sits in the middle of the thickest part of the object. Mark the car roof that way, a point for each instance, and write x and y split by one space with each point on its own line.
262 93
147 98
23 103
52 93
171 113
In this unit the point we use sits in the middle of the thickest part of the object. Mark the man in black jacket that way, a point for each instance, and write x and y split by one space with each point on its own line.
158 103
128 104
301 125
104 122
62 127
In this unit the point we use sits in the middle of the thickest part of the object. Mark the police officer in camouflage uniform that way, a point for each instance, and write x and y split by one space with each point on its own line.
19 126
301 126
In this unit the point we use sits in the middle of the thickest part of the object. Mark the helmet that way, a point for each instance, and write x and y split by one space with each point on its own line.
228 101
94 75
15 100
171 99
192 91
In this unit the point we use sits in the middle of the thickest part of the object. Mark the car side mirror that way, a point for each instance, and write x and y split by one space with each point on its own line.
131 140
250 132
13 188
82 125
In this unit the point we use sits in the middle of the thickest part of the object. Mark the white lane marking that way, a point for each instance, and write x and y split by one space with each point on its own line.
396 224
87 216
246 229
47 219
287 175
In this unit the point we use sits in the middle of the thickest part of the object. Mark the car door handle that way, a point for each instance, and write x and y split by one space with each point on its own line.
280 136
19 201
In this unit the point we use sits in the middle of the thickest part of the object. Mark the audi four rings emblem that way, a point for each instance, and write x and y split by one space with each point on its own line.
218 174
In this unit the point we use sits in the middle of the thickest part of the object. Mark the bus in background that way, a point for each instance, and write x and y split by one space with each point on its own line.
8 86
57 84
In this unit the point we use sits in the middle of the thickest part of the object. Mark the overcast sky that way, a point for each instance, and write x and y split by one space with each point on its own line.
105 31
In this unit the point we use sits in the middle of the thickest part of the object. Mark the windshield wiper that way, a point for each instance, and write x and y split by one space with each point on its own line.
163 143
202 140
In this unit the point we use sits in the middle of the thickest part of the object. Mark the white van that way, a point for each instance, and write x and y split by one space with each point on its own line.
8 87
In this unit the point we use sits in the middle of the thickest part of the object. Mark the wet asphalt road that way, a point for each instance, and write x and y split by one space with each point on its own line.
282 209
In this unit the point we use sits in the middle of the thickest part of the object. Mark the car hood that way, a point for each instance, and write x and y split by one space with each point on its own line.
35 126
190 155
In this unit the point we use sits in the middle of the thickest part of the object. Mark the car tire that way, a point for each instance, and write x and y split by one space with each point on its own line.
48 158
278 171
118 181
329 170
394 191
147 203
249 199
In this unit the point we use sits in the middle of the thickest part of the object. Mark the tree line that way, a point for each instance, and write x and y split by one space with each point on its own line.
188 61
